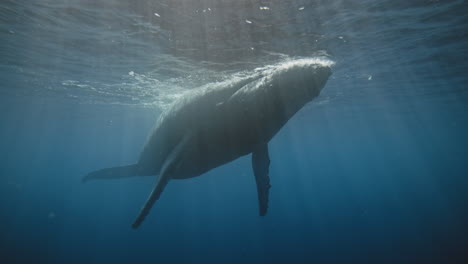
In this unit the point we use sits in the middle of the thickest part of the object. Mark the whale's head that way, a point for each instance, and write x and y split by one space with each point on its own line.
295 83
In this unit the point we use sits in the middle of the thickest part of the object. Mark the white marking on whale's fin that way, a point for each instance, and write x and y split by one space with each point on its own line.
260 165
112 173
168 169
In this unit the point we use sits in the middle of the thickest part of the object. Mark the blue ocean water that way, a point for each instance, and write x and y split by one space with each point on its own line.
372 171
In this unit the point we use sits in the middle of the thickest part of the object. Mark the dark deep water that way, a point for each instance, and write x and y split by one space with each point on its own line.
372 171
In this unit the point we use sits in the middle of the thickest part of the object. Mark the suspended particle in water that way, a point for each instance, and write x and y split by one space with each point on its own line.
51 215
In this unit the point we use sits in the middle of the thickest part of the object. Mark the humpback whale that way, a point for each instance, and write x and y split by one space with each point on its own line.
220 122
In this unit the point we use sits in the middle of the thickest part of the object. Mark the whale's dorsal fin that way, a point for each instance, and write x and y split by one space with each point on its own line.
260 165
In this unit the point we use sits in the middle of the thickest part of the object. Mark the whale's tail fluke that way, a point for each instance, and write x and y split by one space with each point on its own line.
112 173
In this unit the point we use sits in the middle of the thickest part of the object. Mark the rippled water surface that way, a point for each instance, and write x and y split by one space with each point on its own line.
373 170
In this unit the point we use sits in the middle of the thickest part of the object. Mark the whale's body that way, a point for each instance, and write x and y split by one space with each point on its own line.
214 125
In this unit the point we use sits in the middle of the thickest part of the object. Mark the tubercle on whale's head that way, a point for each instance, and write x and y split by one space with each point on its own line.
309 74
297 82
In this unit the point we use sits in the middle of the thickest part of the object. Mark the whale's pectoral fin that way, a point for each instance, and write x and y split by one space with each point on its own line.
260 165
154 196
112 173
168 169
